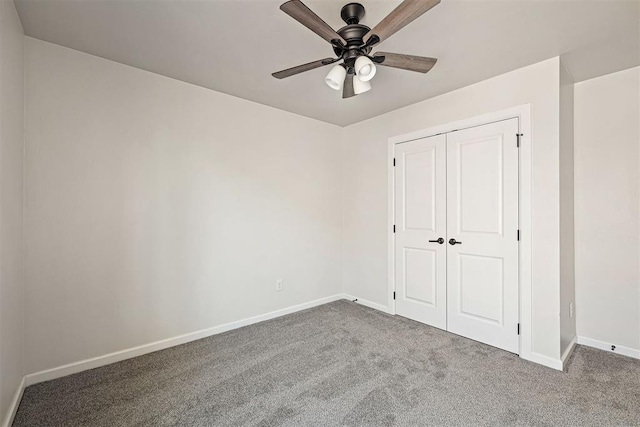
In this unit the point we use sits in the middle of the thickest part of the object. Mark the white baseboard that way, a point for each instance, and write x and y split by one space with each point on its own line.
568 351
606 346
107 359
369 304
13 407
541 359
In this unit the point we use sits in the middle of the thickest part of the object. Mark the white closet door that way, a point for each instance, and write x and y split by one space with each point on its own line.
482 216
420 211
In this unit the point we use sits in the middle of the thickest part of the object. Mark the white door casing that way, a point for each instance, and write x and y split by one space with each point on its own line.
420 212
482 214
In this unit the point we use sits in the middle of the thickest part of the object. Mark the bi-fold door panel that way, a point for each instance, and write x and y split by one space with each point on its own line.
420 211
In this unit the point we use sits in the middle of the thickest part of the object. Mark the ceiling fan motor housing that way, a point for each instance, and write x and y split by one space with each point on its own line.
353 33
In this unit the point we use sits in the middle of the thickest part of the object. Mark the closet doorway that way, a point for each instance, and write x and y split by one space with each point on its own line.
456 233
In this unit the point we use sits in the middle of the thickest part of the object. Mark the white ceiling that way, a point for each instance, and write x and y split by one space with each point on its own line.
233 46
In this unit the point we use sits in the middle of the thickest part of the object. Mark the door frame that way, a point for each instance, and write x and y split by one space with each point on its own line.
523 114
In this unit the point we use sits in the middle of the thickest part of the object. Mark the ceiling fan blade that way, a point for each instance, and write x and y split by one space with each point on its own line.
419 64
301 13
402 15
304 67
347 89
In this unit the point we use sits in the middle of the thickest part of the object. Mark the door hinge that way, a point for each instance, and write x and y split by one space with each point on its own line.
394 228
518 235
394 295
394 161
518 135
518 328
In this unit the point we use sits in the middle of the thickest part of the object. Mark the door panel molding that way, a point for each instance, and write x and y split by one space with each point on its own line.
467 202
431 267
485 317
411 168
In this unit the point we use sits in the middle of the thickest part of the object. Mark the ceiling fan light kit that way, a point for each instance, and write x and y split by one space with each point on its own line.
360 86
365 69
352 44
335 78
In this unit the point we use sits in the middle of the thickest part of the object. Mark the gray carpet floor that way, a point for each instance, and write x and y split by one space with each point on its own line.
339 364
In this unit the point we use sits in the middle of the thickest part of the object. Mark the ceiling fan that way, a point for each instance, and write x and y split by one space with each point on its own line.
353 43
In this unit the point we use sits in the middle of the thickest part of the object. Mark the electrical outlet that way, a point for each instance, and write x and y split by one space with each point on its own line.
571 310
279 285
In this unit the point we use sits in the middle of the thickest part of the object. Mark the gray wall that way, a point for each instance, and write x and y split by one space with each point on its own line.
156 208
11 190
567 257
607 208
